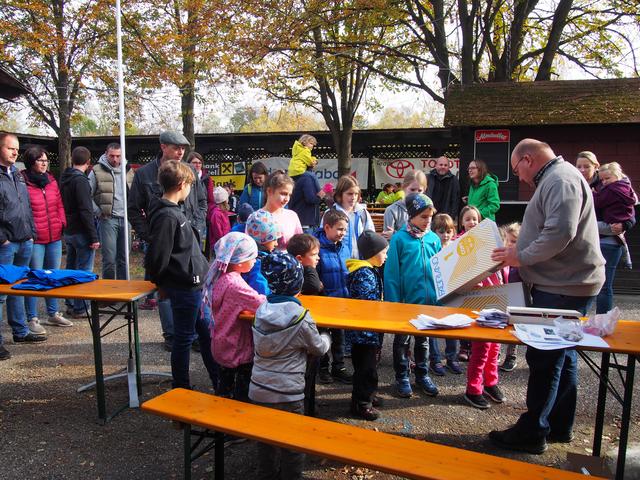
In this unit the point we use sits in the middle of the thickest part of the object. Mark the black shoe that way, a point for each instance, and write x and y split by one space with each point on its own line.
342 376
512 439
30 338
362 411
324 376
167 344
477 401
494 393
195 346
509 364
560 437
377 401
4 353
454 367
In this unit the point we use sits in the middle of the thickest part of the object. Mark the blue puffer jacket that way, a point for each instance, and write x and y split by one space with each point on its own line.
407 271
331 268
364 283
255 278
252 195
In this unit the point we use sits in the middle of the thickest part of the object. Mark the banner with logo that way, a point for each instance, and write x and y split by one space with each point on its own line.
393 170
326 170
227 172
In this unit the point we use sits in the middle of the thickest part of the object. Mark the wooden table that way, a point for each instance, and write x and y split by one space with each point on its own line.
123 295
388 317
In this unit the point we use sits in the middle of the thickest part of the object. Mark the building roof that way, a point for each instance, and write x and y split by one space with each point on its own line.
544 103
10 87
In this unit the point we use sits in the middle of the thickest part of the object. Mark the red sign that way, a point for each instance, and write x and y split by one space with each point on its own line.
492 136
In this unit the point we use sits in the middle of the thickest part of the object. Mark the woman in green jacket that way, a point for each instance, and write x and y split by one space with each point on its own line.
483 190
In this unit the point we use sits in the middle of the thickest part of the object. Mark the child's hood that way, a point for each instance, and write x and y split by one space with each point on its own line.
623 190
354 264
297 148
275 327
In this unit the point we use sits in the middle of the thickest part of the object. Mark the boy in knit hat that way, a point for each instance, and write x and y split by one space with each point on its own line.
365 283
218 216
283 335
262 227
244 212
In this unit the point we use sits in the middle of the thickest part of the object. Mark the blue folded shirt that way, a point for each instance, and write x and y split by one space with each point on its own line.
48 279
11 273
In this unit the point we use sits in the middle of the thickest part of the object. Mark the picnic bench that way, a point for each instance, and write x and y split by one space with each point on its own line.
385 452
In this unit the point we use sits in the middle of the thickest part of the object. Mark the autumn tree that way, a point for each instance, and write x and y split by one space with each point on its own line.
179 43
294 51
57 48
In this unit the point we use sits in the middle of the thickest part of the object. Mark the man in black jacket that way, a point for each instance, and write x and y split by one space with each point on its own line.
145 190
443 188
80 235
17 232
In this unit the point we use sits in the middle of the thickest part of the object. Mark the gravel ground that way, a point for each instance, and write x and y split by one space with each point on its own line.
49 431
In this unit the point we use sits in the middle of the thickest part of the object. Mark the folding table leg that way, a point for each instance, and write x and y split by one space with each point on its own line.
602 401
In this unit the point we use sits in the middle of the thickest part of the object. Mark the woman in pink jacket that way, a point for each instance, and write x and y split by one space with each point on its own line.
49 218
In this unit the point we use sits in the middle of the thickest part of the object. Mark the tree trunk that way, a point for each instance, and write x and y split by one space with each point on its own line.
550 49
343 149
62 89
188 93
188 104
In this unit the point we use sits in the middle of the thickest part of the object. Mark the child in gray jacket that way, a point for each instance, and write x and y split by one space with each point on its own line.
283 335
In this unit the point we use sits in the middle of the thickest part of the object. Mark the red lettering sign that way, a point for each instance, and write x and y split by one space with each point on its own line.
492 136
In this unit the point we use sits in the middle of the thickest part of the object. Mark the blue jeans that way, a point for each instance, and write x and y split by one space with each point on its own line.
19 254
47 256
450 350
401 360
112 244
553 378
79 257
611 253
166 317
185 305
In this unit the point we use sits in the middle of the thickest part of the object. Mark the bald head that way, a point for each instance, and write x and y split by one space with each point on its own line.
528 157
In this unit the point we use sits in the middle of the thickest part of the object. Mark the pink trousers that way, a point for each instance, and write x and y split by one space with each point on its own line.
483 367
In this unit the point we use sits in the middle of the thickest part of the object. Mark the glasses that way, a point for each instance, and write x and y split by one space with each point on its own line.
42 160
196 162
472 168
515 168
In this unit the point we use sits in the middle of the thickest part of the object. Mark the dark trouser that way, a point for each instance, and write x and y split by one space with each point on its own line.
611 253
275 462
310 373
234 382
553 378
337 351
185 306
365 373
401 360
450 351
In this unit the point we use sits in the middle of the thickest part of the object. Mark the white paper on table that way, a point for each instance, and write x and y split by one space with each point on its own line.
456 320
545 337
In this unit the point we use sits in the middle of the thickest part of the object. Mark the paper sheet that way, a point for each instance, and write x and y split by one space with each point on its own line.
545 337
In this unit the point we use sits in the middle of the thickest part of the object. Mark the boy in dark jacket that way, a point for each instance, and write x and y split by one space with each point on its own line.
333 273
306 249
80 234
283 335
177 266
365 283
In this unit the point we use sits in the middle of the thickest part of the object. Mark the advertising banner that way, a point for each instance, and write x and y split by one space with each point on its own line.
393 170
227 172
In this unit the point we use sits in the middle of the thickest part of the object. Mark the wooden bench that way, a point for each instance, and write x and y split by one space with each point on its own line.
378 221
344 443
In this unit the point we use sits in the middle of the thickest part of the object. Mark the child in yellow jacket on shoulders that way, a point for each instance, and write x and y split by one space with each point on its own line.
301 158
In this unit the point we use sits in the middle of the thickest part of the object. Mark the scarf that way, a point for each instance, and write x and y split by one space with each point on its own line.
414 231
40 180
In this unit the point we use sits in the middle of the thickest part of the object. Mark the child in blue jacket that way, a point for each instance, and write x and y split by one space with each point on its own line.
365 283
333 273
408 279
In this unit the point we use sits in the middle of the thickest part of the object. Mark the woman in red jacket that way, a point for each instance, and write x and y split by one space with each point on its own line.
49 218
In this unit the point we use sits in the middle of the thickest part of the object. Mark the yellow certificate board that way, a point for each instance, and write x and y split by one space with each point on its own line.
467 260
500 297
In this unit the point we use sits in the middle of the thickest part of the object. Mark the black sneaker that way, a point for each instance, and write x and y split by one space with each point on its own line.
494 393
560 437
364 412
30 338
477 401
195 346
509 364
454 367
342 376
4 353
324 376
377 401
437 368
512 439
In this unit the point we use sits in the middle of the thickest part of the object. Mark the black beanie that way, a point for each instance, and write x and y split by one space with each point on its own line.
370 244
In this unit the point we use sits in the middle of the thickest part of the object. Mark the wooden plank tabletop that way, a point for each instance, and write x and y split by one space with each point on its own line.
100 290
389 317
382 451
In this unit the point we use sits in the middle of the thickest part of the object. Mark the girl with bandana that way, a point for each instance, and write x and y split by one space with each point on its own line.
408 279
228 294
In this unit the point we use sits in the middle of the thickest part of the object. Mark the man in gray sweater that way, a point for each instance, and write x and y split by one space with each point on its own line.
558 255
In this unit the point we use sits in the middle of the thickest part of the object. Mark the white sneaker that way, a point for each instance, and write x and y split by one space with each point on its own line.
57 320
35 327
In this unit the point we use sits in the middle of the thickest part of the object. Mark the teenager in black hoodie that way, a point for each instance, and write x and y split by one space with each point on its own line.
80 235
177 266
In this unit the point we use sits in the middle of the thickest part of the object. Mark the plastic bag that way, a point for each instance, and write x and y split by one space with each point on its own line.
569 330
602 324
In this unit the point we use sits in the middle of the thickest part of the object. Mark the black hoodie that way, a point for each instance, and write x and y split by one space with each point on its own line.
174 258
78 206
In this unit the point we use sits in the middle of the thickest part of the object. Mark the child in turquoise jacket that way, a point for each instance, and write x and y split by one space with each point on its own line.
408 279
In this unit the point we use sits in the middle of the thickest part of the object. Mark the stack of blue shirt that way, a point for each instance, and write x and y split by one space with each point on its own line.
48 279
